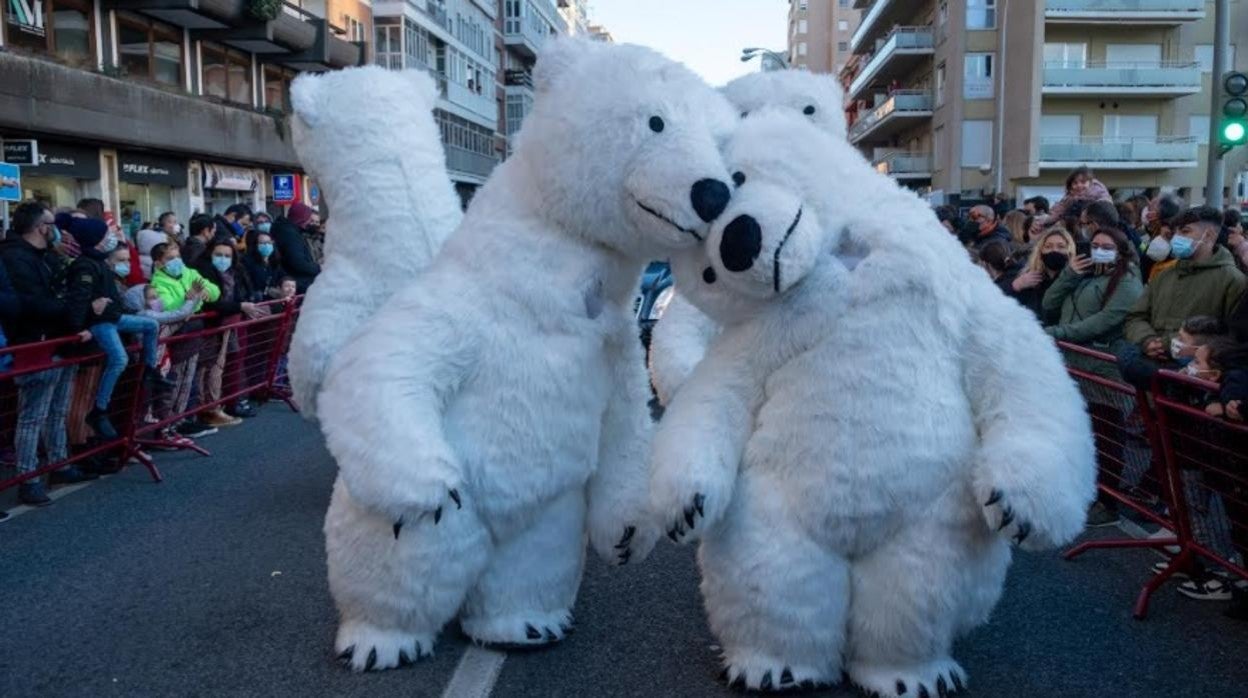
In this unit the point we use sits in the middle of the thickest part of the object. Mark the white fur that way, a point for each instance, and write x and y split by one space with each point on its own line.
510 371
856 423
680 337
368 137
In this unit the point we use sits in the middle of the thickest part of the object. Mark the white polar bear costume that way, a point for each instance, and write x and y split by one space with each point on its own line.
494 412
681 335
857 455
368 136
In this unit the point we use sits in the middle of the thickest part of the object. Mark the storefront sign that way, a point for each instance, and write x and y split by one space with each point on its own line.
285 190
231 178
63 160
23 152
10 182
142 168
27 16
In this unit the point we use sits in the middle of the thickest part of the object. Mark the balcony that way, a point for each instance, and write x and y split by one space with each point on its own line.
466 162
905 165
902 109
526 33
1121 79
877 20
903 50
518 78
1165 12
1118 153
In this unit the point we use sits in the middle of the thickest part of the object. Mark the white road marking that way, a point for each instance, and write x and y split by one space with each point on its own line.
54 494
475 676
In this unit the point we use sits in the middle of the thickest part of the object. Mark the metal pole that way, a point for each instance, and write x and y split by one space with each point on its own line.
1221 51
1000 159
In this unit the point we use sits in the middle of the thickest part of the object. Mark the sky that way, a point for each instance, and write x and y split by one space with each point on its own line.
706 35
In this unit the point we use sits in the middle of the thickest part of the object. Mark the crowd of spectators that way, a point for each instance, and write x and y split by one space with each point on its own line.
75 274
1150 280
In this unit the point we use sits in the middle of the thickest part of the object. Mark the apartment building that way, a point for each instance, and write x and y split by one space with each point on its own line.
454 41
156 106
575 15
962 98
527 26
819 34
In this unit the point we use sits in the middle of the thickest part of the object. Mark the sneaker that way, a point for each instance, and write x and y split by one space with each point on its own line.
1165 533
101 465
243 409
1207 589
218 418
33 494
196 429
154 382
70 475
98 420
1161 565
1100 516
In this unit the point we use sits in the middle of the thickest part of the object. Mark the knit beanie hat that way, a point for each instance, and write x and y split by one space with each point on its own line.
89 232
300 214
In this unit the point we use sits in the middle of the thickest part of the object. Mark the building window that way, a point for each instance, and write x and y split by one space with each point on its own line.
976 143
1198 128
940 84
1204 56
801 26
981 14
842 46
801 49
801 5
63 28
842 25
149 50
277 87
977 76
226 74
387 46
1065 55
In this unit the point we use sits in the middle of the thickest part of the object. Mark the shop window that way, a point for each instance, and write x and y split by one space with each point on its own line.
149 50
277 87
65 28
226 74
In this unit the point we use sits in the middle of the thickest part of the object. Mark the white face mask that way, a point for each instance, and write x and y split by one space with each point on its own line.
1158 249
1176 347
1100 256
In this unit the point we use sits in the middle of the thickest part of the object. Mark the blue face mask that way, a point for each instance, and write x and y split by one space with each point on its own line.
122 269
110 243
265 249
175 267
264 227
237 228
1182 247
221 263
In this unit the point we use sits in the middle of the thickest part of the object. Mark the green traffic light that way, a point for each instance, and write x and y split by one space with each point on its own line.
1234 132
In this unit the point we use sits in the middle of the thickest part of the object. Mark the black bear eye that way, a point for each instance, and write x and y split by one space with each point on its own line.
708 275
738 178
810 109
656 124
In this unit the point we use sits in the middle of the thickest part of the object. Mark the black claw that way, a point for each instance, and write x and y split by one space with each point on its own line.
942 688
437 515
531 632
347 654
901 687
1006 519
923 692
739 682
628 537
993 498
957 682
455 498
689 517
671 533
698 500
765 684
723 675
1024 530
372 660
625 556
786 676
404 659
550 635
398 525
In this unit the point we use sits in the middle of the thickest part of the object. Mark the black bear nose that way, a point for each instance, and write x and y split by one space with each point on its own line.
710 197
741 243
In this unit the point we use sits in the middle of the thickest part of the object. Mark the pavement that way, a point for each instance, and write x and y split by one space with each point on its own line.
212 583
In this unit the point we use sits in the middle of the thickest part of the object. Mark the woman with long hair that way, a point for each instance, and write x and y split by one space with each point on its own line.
1051 254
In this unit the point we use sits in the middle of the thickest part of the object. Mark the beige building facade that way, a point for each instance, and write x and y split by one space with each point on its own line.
819 34
1123 87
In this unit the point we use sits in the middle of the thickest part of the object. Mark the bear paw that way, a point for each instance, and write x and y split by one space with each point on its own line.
1009 519
942 677
519 631
633 546
757 673
365 647
690 509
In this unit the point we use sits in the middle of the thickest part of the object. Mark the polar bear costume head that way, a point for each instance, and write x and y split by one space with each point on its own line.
815 96
637 167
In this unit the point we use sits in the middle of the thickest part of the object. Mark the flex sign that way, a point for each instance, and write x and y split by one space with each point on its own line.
24 152
27 15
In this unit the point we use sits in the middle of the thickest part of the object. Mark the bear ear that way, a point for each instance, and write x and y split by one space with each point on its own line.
557 58
422 85
305 97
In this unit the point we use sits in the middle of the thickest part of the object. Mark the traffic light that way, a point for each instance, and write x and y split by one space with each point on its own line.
1234 119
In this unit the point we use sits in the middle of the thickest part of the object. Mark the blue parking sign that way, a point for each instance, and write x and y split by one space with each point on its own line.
283 188
10 182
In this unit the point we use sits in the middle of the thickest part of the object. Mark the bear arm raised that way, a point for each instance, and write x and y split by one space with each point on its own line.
1034 470
620 527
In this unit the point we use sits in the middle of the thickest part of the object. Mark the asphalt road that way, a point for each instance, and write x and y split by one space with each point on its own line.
213 584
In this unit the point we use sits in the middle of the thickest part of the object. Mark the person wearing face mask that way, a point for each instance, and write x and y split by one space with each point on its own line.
220 268
988 227
166 230
95 304
1203 281
263 263
1052 253
293 245
1155 249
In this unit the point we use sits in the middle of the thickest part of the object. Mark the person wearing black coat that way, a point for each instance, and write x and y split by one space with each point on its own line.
264 265
292 245
220 266
233 223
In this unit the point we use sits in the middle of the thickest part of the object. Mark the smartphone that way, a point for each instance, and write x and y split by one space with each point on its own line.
1083 249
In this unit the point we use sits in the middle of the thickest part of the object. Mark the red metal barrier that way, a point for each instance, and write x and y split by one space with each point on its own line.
242 359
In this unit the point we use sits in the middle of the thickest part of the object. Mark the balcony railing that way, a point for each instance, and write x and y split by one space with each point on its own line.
518 78
905 165
871 23
902 41
1122 78
916 103
1159 11
469 162
437 12
1117 152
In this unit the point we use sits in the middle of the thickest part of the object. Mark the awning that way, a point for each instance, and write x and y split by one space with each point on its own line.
141 168
228 177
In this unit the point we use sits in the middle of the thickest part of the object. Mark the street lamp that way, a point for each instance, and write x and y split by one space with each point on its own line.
769 58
